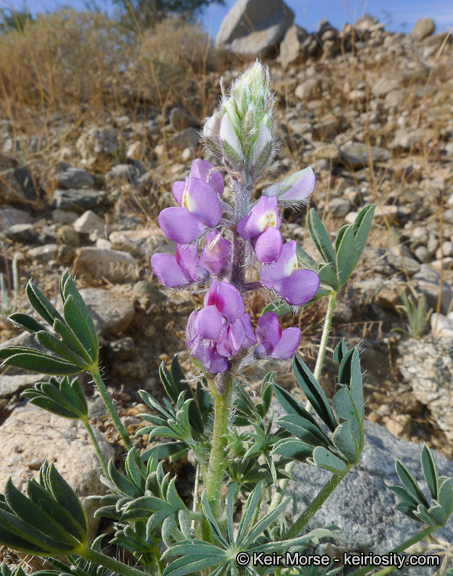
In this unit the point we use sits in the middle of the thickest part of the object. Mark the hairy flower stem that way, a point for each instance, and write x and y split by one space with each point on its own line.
222 410
324 340
315 505
401 548
112 410
109 563
96 447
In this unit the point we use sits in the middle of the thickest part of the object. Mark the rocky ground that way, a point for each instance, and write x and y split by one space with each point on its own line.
369 110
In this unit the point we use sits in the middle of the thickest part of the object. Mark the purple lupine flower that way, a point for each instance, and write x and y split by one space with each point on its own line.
287 280
274 342
202 170
216 255
295 188
199 208
261 227
221 329
179 270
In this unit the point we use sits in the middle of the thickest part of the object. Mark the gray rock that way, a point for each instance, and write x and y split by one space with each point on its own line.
133 241
339 207
441 326
27 182
69 177
147 290
428 281
310 89
355 154
31 435
188 138
291 48
122 174
112 313
22 233
252 27
10 385
44 253
77 200
427 365
114 265
384 85
181 119
423 28
362 506
11 216
97 144
89 222
410 265
365 23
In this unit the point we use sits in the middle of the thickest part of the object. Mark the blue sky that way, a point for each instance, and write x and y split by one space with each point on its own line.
398 15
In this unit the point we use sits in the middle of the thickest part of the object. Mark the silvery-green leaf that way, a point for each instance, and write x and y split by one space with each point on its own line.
430 470
345 441
344 248
320 237
325 459
327 276
410 483
361 228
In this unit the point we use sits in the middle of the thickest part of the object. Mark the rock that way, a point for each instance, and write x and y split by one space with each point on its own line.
339 207
10 189
329 152
122 350
355 154
122 174
31 435
64 216
427 365
27 183
11 385
25 233
252 27
423 28
384 85
112 313
291 51
309 90
88 223
362 506
43 254
181 119
77 200
441 326
428 281
12 216
97 145
133 241
114 265
147 290
188 138
69 177
384 213
365 23
137 150
405 264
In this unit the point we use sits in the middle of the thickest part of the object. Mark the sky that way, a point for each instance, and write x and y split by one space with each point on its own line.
398 15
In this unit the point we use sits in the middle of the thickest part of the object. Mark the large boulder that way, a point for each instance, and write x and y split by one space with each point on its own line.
254 27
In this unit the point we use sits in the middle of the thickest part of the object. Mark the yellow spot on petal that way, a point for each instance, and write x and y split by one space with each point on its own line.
268 220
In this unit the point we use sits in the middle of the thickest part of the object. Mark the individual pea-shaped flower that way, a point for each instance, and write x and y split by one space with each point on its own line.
261 227
294 189
199 205
284 277
179 270
274 342
216 255
220 330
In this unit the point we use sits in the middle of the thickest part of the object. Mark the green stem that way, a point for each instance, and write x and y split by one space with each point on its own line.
401 548
324 340
110 563
222 412
282 486
96 447
315 505
111 408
